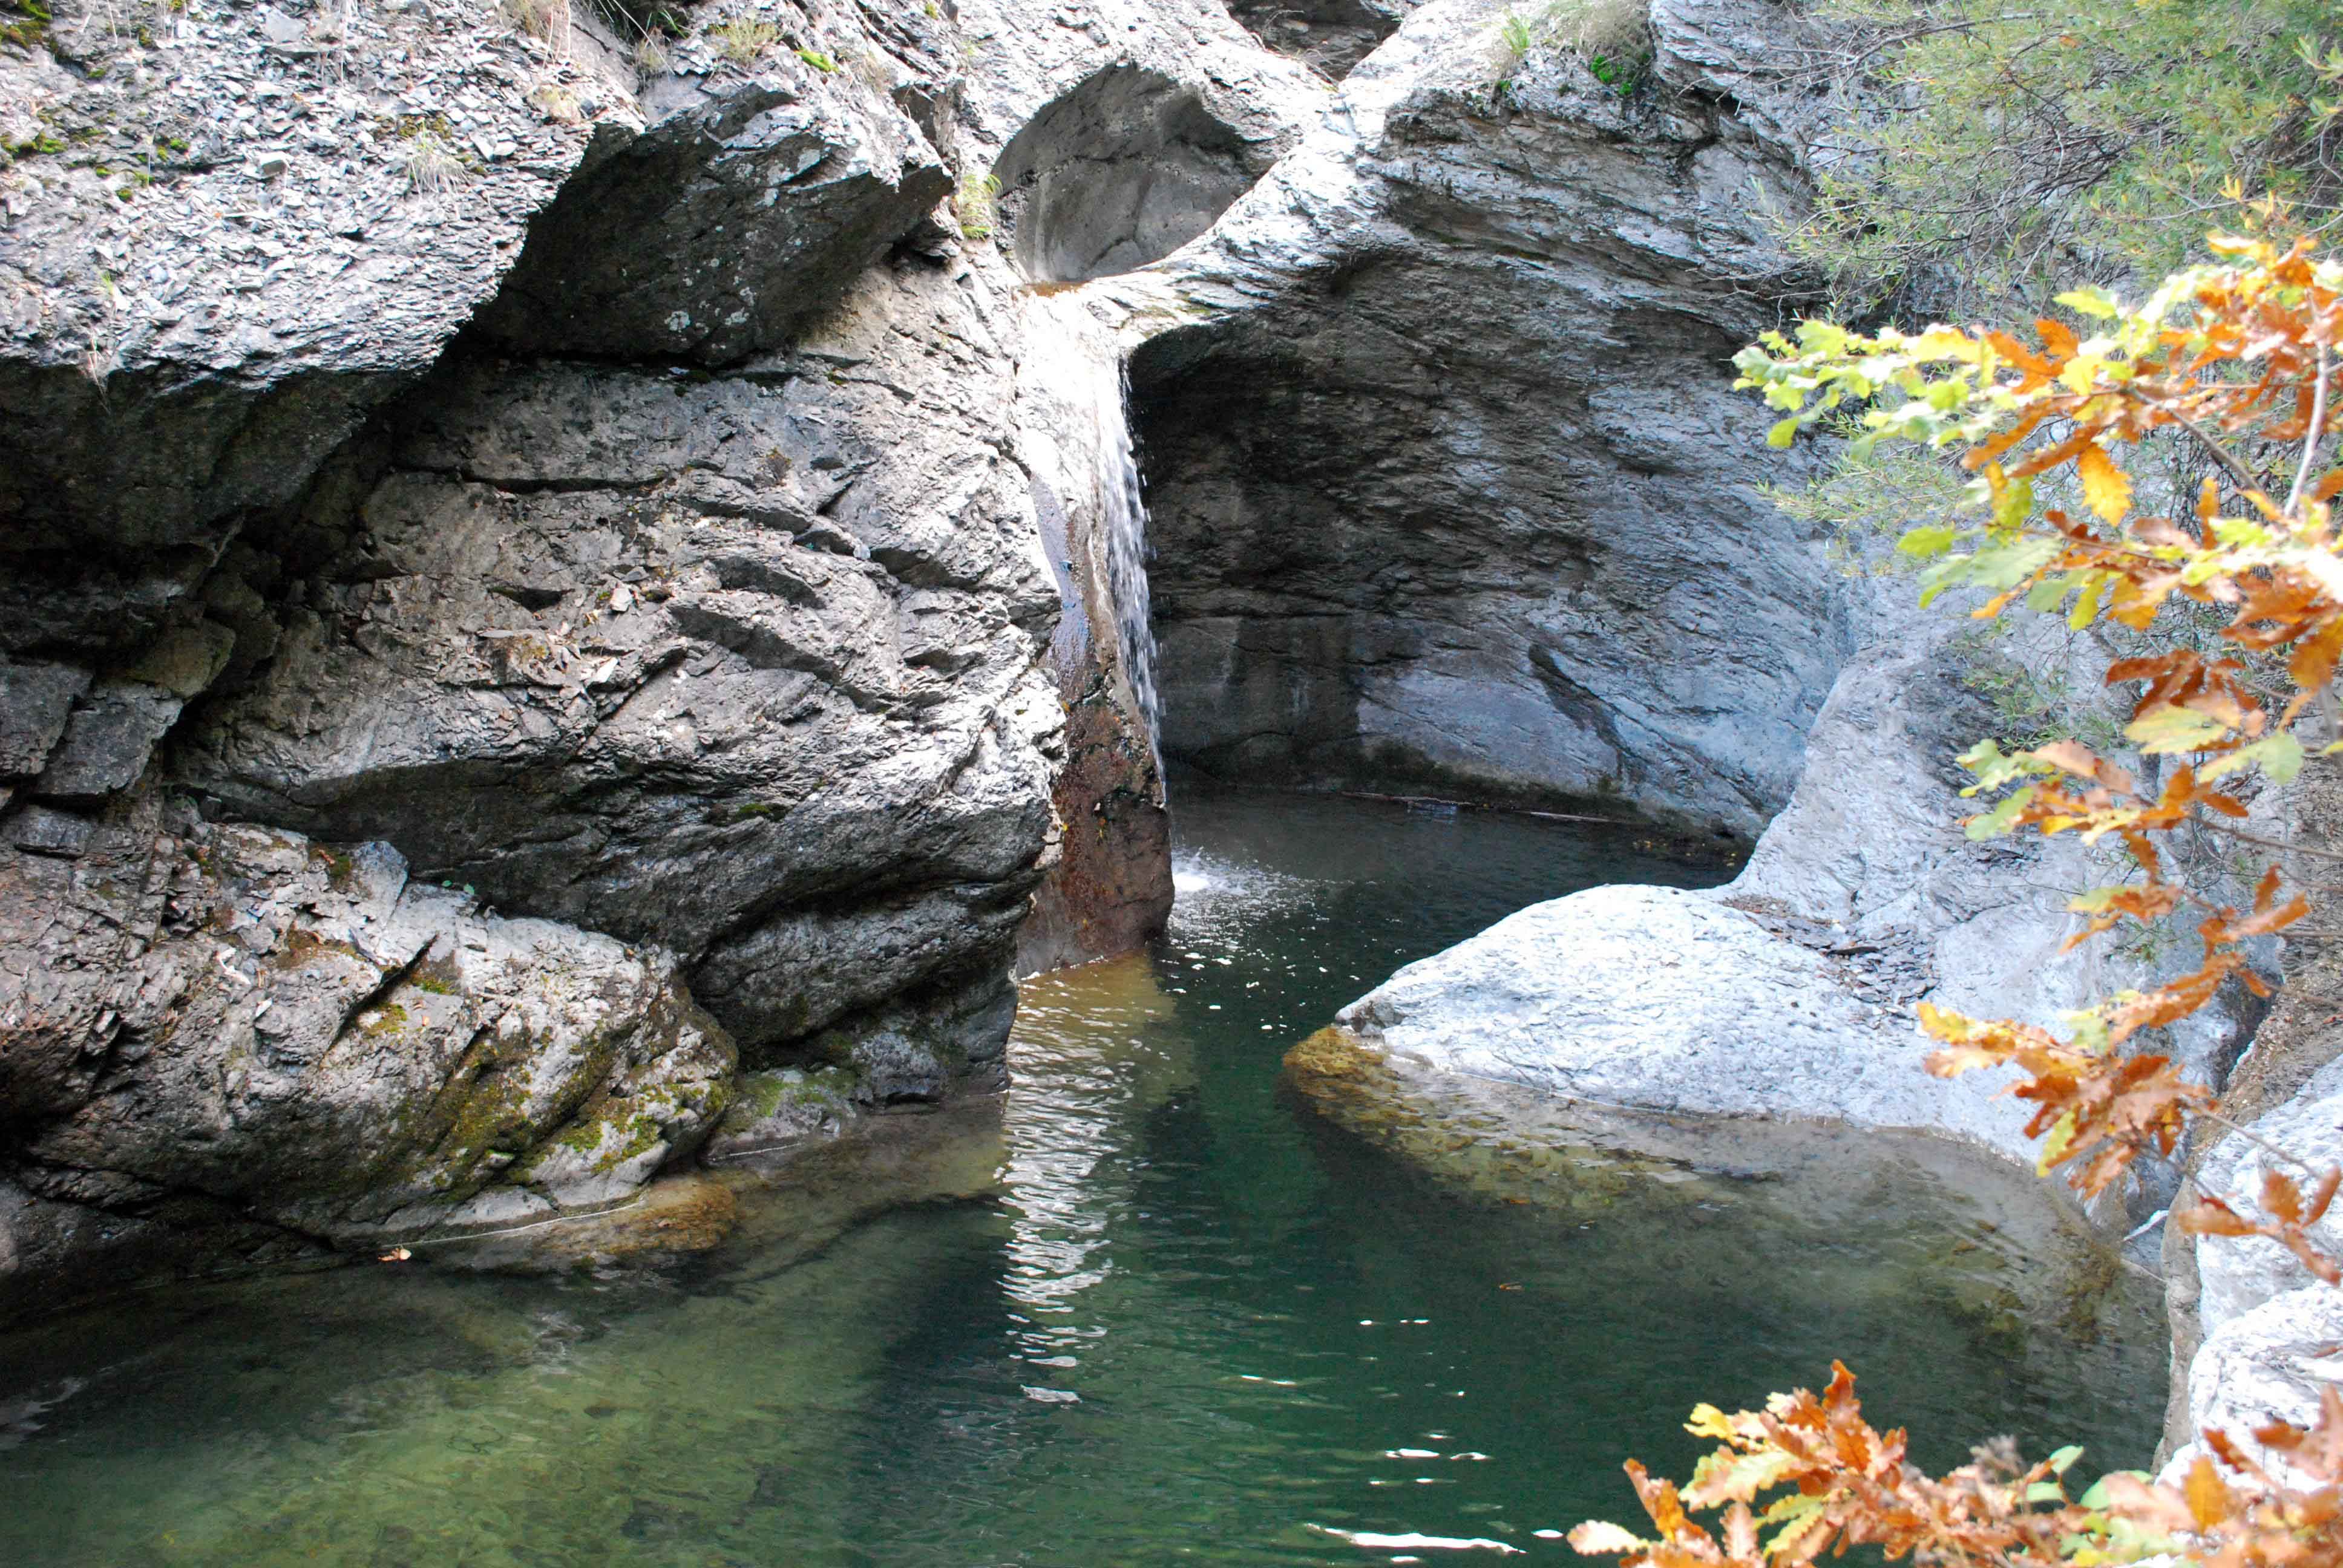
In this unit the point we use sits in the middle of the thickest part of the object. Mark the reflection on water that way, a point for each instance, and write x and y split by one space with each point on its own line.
1155 1308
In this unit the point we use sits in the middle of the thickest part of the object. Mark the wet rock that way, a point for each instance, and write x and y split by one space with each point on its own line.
242 1019
784 1107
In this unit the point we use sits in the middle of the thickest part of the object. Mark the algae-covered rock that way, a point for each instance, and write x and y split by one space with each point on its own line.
1991 1247
784 1107
198 1019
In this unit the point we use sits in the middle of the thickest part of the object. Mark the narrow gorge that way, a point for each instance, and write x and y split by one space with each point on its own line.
957 781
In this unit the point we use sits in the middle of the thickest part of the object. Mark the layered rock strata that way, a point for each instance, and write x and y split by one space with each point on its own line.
1451 493
528 597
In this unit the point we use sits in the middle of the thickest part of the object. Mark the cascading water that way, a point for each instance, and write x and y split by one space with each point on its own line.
1076 396
1123 524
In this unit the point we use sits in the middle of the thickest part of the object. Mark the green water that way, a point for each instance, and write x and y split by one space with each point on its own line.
1156 1309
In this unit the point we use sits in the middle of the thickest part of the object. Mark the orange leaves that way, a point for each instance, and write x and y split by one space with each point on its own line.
2107 487
1844 1483
2095 1106
2289 1215
2235 364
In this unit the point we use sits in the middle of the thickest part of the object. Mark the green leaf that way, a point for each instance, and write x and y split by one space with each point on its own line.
2055 1143
2049 593
1783 432
2064 1460
2279 757
2094 302
2002 820
2005 566
1927 542
1994 768
2097 1497
1795 1513
2014 506
1725 1476
1951 572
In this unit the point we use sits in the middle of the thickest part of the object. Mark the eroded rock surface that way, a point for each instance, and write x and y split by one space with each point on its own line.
241 1029
592 468
1451 490
1656 999
740 665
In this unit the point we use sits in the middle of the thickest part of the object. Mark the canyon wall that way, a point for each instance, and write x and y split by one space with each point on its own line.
548 571
530 590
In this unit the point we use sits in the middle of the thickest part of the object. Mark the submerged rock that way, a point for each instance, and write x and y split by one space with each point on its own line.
2028 1275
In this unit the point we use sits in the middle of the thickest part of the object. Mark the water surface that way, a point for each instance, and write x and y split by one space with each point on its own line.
1156 1309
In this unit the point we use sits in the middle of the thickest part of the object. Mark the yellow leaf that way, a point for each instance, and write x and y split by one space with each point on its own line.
2055 1143
2164 730
1707 1421
2106 486
2208 1499
1596 1537
2086 605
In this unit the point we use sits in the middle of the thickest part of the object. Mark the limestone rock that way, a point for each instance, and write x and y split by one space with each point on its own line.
35 701
1451 488
227 260
308 1039
2270 1364
1660 999
748 208
740 664
1329 35
107 740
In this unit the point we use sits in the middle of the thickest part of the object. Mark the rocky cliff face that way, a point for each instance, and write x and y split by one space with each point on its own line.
531 586
1450 490
556 580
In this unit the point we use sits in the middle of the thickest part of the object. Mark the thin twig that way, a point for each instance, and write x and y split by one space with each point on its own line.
2251 1136
2221 455
2310 441
2242 836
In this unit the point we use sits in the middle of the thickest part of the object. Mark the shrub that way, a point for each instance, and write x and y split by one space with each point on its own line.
2239 358
976 206
1612 37
1988 150
429 164
545 19
744 39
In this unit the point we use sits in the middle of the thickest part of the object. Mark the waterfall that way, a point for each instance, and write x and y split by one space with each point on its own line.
1075 395
1122 522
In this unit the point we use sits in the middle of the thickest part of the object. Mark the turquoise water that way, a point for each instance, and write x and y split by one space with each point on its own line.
1155 1309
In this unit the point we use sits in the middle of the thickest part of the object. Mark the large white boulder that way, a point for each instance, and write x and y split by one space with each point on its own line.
1662 1000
